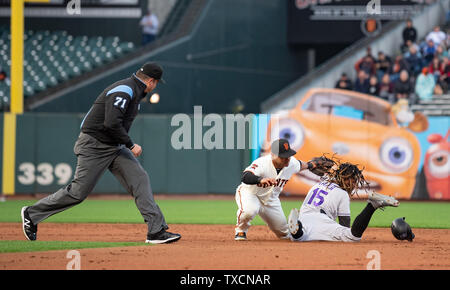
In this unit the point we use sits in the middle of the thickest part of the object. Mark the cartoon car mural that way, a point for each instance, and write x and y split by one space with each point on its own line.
358 128
437 166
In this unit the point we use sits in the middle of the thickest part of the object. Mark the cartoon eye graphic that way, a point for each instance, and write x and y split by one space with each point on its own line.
396 154
290 130
439 164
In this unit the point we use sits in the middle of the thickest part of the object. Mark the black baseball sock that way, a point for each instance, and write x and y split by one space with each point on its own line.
362 221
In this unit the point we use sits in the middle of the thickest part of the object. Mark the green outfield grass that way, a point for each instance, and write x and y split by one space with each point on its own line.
39 246
418 214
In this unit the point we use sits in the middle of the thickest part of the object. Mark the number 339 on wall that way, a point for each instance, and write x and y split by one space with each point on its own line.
44 173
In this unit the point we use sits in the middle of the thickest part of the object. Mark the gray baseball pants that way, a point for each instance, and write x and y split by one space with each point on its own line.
94 158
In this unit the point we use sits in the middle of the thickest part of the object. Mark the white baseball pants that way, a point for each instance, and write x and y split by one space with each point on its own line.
271 213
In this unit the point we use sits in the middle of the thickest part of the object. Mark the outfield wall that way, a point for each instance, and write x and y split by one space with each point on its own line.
45 160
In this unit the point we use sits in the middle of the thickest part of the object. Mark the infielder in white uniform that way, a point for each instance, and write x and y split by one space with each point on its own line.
330 199
262 183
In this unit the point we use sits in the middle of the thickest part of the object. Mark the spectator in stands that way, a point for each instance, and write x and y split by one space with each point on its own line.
398 65
366 64
362 82
344 83
403 87
374 87
369 53
438 69
437 36
386 88
429 52
445 77
414 59
409 34
149 24
3 75
441 52
425 85
414 44
435 68
382 64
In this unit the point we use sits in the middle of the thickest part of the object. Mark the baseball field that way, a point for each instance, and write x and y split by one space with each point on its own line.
107 232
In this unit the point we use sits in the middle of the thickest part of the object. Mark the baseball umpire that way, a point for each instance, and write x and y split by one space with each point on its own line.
104 144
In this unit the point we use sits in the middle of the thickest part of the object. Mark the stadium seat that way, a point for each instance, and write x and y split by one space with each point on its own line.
52 57
4 96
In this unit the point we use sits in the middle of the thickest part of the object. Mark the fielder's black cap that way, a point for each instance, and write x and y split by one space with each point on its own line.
282 148
153 70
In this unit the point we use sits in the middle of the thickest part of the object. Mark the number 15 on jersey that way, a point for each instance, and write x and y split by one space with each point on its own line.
318 197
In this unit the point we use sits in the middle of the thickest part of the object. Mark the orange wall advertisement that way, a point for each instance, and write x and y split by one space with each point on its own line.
403 154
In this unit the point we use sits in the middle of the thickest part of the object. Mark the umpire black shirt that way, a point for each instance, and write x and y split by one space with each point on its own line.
113 112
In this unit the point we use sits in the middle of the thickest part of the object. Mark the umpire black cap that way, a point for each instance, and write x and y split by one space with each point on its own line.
153 70
401 230
282 148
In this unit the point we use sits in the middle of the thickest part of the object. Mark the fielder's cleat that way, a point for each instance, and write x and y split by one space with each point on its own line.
29 229
162 237
380 201
240 236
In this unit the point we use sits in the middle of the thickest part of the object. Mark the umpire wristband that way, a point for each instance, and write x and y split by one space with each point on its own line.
130 145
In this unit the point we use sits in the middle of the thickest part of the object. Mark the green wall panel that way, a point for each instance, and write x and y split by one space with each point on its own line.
224 170
26 148
186 168
155 144
45 160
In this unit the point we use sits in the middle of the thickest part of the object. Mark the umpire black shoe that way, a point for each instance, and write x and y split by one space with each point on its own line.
29 229
162 237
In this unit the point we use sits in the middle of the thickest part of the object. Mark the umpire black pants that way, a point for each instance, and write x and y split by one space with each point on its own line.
94 158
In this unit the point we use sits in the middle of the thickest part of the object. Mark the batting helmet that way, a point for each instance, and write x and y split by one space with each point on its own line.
401 230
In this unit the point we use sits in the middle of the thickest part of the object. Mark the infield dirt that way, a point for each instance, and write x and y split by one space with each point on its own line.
212 247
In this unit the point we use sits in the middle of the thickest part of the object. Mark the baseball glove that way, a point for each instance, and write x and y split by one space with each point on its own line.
320 165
